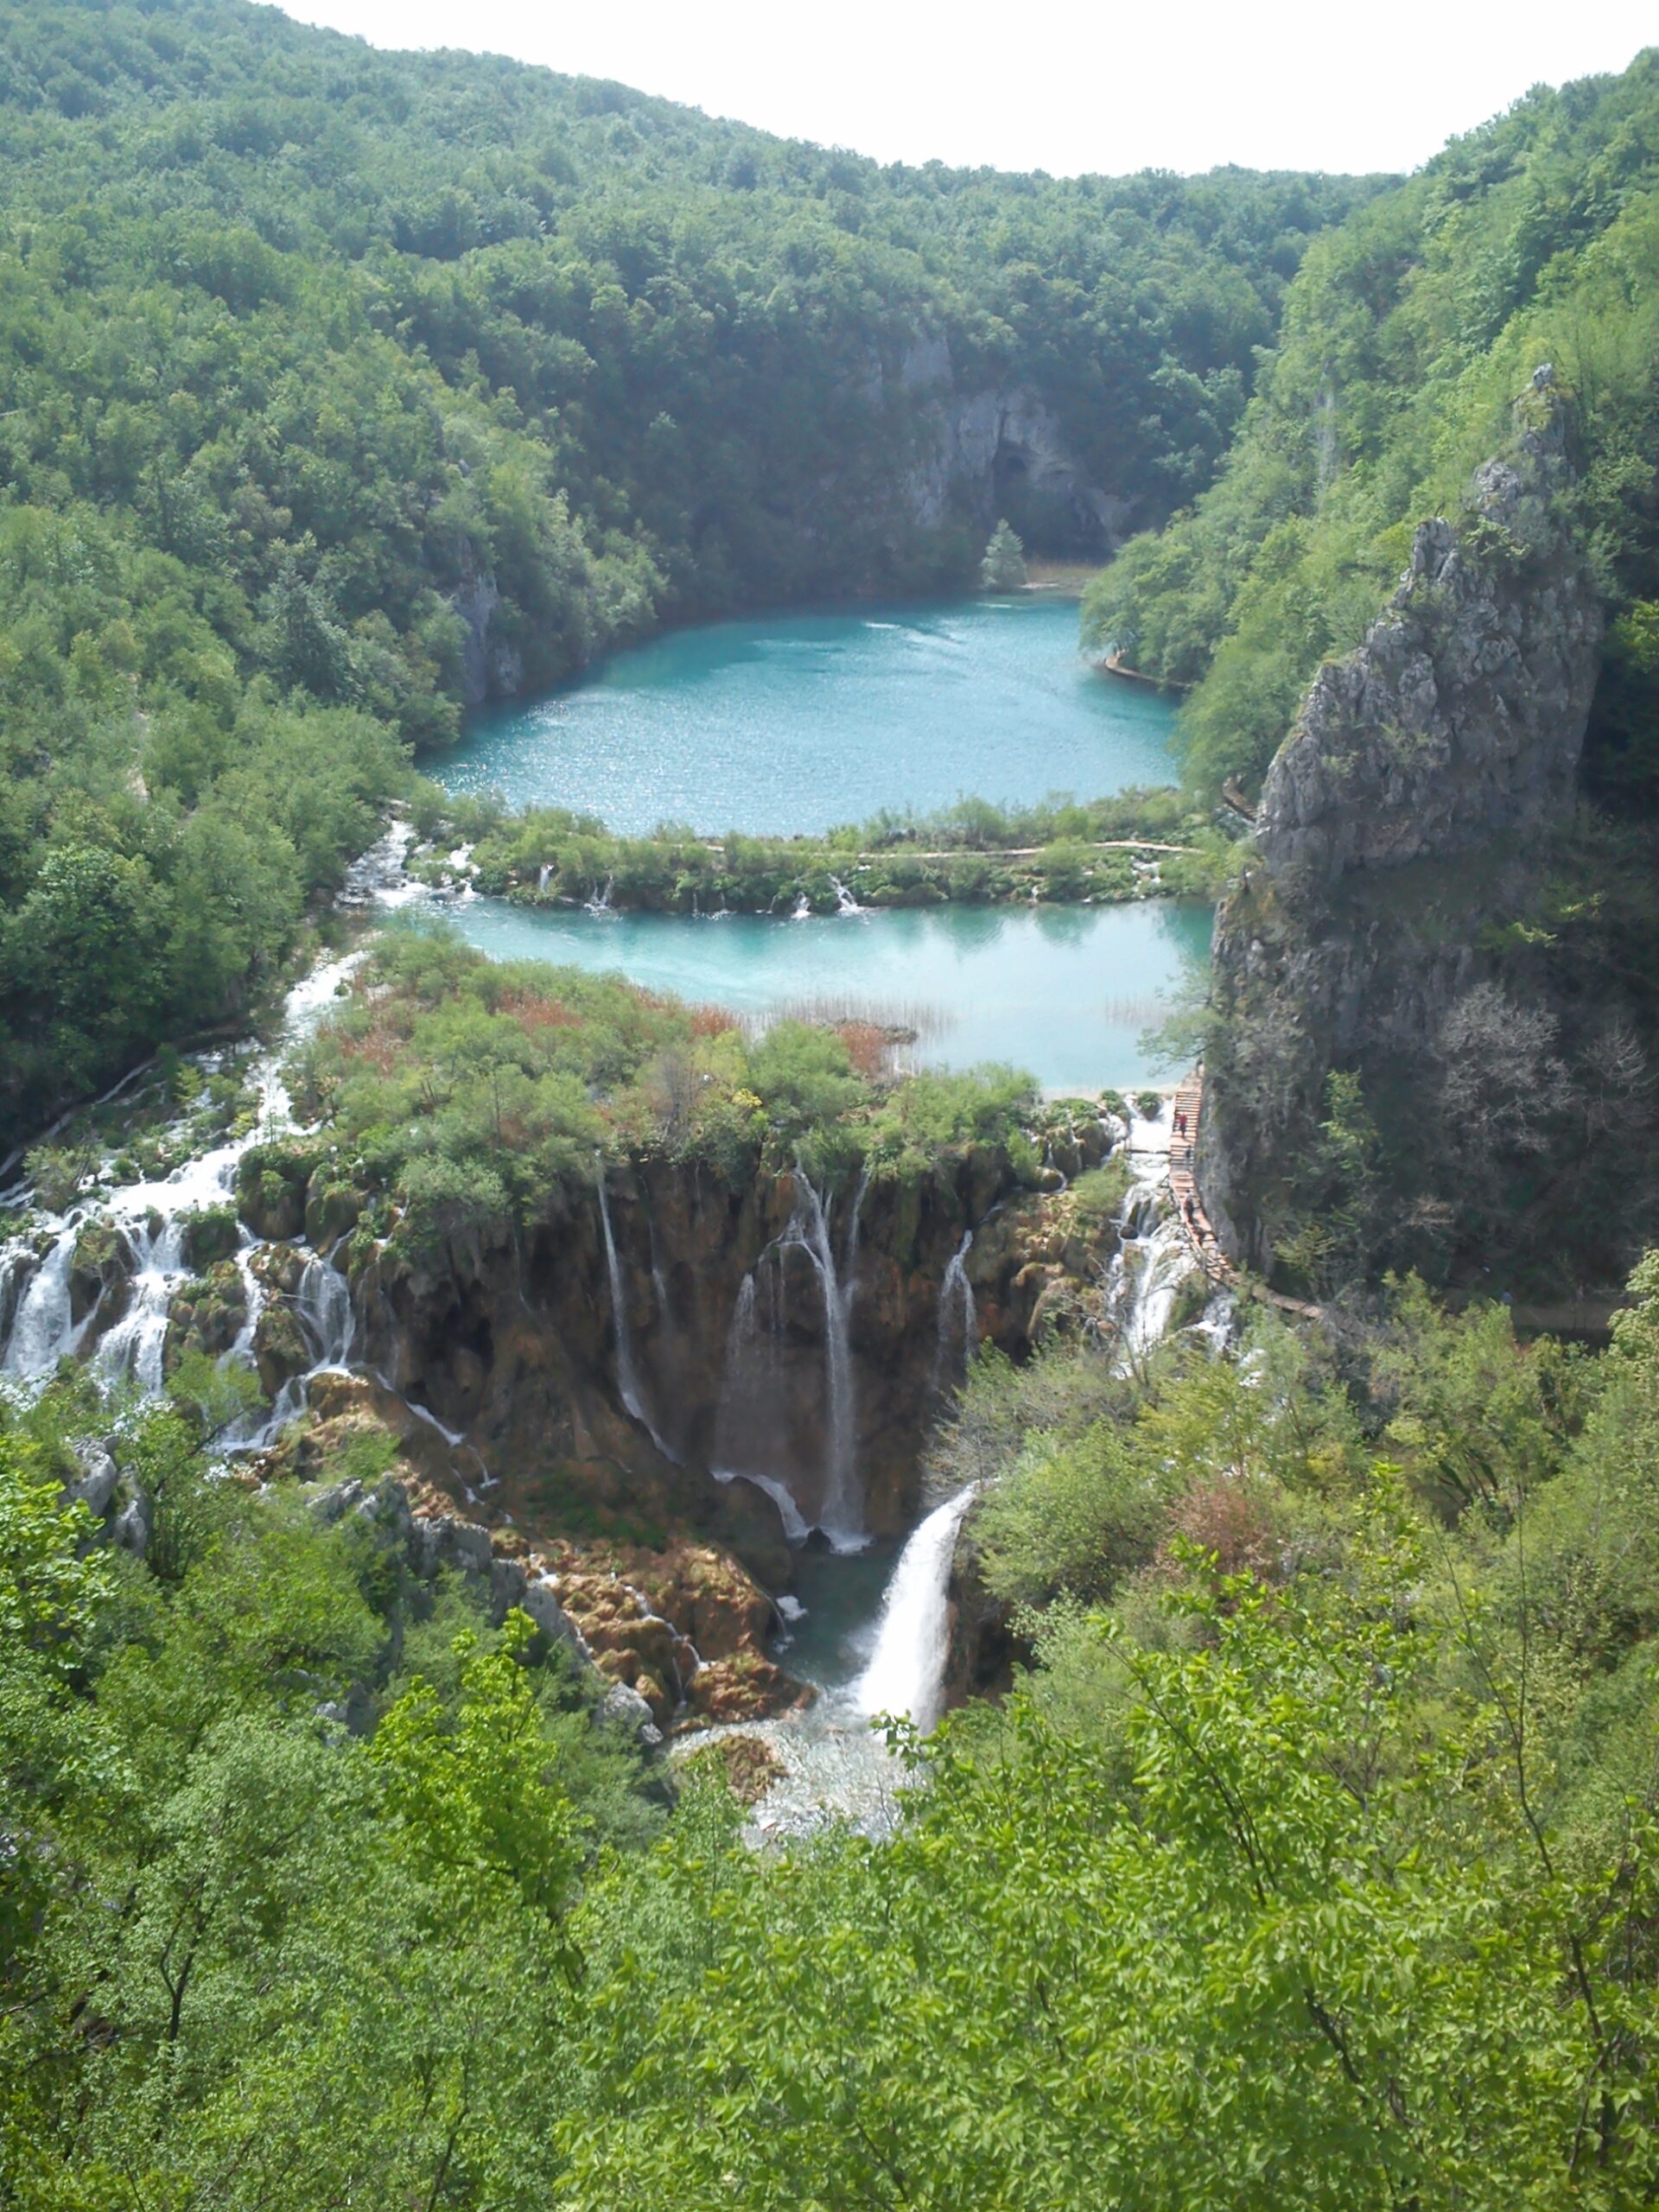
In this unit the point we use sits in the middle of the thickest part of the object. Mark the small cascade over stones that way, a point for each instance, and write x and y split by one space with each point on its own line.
1153 1255
133 1345
323 1304
845 902
958 1319
906 1675
151 1226
42 1328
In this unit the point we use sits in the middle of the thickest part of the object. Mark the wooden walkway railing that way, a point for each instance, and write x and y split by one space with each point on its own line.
1183 1112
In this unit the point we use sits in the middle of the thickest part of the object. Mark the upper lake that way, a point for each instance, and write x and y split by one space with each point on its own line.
797 722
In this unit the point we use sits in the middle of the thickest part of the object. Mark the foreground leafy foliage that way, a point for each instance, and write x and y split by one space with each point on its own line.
1313 1865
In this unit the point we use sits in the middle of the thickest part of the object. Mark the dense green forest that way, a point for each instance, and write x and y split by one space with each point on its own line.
333 384
1314 1866
1407 336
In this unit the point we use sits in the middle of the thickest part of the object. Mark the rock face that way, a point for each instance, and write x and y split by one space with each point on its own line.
491 667
755 1325
1001 451
1399 822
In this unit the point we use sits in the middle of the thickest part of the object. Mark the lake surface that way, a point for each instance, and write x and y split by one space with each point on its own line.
1063 992
797 722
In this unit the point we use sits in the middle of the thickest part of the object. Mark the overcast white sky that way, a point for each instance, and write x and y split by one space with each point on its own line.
1067 88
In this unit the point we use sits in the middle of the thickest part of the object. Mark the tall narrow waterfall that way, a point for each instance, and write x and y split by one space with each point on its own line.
627 1375
809 1229
905 1674
628 1383
750 1385
958 1319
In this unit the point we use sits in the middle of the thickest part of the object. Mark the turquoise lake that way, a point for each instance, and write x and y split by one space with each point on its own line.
1063 992
796 722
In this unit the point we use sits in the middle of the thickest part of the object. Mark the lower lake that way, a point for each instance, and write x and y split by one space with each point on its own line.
795 722
1063 992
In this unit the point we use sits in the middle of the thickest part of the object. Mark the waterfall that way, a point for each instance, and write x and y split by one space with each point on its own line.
629 1388
599 903
905 1674
749 1385
958 1317
152 1218
809 1231
134 1345
323 1305
845 902
543 877
41 1329
627 1375
1154 1256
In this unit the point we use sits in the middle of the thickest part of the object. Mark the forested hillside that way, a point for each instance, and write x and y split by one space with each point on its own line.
336 386
1407 335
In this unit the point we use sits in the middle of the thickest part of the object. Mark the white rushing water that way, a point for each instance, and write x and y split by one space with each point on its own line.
627 1375
958 1325
1154 1256
629 1386
841 1518
152 1220
906 1675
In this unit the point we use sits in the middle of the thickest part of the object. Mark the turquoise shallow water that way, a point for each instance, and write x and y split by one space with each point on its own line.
796 722
1063 992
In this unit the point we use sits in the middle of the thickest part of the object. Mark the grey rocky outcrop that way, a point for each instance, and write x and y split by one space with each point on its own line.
624 1708
1400 826
491 667
1461 719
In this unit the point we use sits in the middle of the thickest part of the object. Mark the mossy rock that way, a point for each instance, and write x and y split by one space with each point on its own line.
332 1209
102 1259
210 1236
207 1315
280 1348
271 1182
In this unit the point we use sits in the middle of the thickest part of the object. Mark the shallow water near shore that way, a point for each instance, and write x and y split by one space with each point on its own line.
1063 992
791 723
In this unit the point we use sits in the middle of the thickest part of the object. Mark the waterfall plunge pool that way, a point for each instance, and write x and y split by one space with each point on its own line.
1063 992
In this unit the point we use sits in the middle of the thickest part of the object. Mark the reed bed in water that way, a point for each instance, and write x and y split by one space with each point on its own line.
1144 1012
841 1010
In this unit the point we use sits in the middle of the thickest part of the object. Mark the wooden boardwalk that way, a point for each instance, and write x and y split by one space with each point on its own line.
1184 1110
